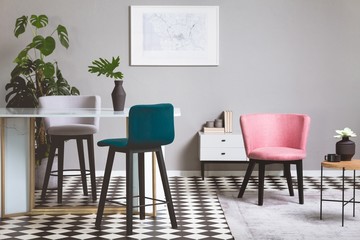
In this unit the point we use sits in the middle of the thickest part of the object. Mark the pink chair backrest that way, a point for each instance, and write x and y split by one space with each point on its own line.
274 130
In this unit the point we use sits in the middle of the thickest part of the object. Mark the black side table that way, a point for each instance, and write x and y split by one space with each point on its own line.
343 165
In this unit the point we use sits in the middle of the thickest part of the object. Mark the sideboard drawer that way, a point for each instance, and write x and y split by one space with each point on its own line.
221 140
227 154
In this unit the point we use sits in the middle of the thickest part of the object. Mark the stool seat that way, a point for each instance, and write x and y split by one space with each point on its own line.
113 142
72 130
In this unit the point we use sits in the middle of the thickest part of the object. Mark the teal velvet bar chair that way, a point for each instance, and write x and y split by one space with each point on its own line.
149 128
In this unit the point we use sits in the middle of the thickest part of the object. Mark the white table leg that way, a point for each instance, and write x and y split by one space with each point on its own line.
15 165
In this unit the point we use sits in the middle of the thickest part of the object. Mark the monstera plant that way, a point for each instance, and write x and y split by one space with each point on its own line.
34 76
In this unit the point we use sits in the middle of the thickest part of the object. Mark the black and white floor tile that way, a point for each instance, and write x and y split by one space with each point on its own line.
198 211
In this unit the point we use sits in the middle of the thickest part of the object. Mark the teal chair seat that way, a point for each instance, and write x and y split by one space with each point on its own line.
150 127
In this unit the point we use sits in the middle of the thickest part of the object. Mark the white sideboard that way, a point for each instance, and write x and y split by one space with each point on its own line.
220 148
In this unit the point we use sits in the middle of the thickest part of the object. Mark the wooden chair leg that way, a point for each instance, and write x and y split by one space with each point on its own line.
287 174
299 172
141 166
90 145
129 192
261 183
48 170
105 186
80 148
60 169
249 170
166 186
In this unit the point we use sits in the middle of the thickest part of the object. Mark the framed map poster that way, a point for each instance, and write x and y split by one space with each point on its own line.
174 35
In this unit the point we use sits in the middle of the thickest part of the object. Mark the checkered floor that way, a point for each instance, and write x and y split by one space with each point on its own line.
198 211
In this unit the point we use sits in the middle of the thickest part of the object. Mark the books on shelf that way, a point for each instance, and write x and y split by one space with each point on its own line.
213 130
228 123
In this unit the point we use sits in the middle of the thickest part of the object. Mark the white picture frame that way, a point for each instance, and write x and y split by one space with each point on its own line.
174 35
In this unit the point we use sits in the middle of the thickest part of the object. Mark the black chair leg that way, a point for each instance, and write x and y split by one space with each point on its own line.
48 170
90 145
261 183
287 174
249 170
60 169
105 186
141 166
129 193
80 148
299 172
166 186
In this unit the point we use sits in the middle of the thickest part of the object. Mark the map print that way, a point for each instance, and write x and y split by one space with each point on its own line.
174 32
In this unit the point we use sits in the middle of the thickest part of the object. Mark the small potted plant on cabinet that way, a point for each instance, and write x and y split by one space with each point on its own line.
34 77
107 68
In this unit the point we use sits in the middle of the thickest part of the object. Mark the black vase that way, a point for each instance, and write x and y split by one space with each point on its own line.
118 96
345 148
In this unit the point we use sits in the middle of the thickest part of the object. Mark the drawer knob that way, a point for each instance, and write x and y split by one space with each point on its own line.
223 140
223 153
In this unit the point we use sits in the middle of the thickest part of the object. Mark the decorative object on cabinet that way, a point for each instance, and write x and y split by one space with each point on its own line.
221 148
220 125
34 77
107 68
345 147
174 35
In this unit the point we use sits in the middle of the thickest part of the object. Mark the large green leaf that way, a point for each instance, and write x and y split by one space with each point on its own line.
21 94
39 21
20 25
63 36
49 46
38 42
26 68
107 68
49 70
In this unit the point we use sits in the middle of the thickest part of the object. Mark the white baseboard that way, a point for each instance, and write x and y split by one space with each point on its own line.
175 173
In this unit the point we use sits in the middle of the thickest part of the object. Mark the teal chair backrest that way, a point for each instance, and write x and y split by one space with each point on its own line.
151 125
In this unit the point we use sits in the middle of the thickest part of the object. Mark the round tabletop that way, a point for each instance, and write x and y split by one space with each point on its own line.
354 164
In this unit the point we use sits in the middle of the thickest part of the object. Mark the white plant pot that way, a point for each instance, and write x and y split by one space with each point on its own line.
40 174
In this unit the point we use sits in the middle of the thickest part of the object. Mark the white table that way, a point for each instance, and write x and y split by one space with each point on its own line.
17 151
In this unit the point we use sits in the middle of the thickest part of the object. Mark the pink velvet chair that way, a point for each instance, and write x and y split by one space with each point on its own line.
275 138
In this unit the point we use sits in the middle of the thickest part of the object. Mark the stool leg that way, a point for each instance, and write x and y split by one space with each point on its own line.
80 148
105 186
129 192
48 170
249 170
141 166
288 178
90 144
166 186
60 169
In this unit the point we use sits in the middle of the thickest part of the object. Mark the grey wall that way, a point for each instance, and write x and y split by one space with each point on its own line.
299 56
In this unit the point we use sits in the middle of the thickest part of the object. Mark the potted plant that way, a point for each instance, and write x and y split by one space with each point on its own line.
345 147
107 68
33 76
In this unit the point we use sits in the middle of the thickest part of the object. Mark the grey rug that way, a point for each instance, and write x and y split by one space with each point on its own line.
281 217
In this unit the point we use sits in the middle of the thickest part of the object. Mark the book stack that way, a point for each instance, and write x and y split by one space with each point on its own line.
213 130
228 123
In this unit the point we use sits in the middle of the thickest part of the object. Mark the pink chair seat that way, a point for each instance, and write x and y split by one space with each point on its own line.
277 154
